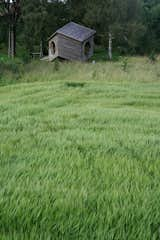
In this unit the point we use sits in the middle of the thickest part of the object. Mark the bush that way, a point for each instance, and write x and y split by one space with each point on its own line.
124 64
56 65
153 57
115 56
1 73
9 67
75 84
25 57
1 68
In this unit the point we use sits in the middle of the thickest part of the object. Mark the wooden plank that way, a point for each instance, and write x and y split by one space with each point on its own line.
69 48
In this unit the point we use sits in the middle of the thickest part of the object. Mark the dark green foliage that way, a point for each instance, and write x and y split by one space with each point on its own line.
124 64
56 65
13 68
100 54
10 66
75 84
94 74
1 74
25 57
153 57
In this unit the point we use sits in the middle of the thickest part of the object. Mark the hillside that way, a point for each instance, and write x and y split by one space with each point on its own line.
80 151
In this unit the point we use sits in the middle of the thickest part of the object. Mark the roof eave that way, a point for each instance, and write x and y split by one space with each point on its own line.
71 37
52 36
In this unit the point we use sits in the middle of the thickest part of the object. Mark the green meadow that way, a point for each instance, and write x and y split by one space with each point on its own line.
80 151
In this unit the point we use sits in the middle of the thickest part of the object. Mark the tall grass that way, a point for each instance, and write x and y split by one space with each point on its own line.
79 152
10 70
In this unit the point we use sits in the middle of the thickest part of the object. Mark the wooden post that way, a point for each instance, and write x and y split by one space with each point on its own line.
41 49
12 11
9 41
13 41
110 47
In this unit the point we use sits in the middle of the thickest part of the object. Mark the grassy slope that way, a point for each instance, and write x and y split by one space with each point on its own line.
81 161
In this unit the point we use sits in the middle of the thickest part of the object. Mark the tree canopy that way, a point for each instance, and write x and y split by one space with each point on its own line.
134 24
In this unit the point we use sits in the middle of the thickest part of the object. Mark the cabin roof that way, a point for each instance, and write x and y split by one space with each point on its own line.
75 31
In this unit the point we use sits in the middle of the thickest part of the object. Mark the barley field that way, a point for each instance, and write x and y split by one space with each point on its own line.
80 152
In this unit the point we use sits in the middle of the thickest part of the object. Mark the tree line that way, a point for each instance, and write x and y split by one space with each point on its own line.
131 26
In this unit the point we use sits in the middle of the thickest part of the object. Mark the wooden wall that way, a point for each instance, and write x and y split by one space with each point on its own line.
55 40
70 49
91 41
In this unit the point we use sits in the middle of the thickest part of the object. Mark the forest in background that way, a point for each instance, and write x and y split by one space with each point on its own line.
134 24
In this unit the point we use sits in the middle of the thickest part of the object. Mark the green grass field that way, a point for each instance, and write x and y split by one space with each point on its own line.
80 152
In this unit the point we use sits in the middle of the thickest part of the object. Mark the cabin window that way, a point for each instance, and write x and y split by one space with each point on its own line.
87 48
53 48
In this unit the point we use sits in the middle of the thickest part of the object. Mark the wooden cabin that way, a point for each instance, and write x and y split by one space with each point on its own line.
72 42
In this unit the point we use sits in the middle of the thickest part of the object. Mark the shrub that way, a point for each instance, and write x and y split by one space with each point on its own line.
153 57
12 66
1 73
75 84
124 64
25 57
115 57
56 65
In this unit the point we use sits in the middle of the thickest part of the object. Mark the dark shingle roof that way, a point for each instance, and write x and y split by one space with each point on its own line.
75 31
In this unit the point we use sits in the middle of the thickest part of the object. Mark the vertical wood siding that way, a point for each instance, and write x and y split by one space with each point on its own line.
70 49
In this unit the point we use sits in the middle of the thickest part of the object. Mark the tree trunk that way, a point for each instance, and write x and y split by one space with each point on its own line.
110 47
12 41
41 49
9 41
